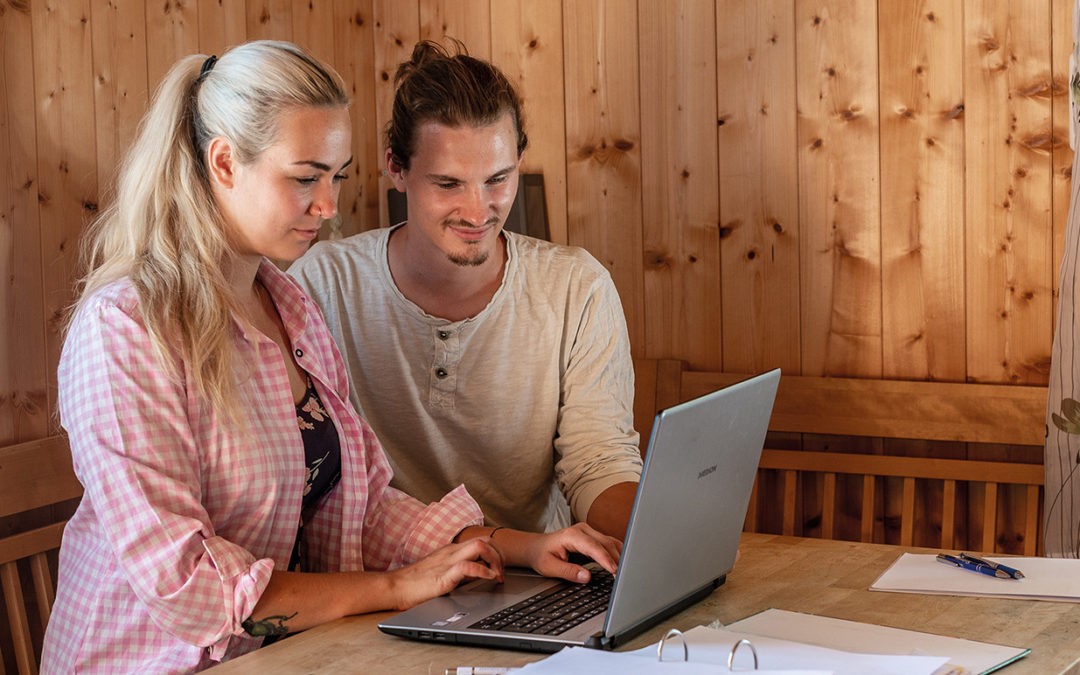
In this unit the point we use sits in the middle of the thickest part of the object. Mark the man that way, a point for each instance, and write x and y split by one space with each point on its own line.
478 355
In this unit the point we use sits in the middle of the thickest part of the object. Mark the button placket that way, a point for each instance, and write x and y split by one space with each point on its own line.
444 367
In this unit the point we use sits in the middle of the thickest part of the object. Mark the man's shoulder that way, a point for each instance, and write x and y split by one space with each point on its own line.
333 257
540 256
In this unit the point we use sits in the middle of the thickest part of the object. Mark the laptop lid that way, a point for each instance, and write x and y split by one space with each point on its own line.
681 542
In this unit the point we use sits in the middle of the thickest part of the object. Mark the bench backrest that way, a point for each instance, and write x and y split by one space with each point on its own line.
931 411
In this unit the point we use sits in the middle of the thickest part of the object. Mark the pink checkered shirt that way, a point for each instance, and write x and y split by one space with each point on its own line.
184 515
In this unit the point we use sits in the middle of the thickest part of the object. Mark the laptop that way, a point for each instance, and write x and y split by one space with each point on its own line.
680 544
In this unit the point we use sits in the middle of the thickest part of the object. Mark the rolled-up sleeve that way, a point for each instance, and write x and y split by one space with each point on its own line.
135 452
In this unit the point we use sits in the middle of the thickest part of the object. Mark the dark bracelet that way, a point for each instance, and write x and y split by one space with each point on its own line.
492 533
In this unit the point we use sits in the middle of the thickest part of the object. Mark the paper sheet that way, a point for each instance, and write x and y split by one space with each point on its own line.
1044 578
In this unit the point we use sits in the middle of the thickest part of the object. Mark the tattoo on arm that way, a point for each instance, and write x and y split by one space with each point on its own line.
271 625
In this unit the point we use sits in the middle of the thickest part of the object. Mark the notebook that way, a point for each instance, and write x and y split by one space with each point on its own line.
681 542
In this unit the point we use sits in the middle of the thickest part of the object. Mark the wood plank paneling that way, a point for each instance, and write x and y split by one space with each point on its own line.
603 147
270 19
465 20
172 32
25 407
120 82
680 209
527 45
354 59
922 163
759 188
221 25
397 29
67 184
1008 190
313 29
839 195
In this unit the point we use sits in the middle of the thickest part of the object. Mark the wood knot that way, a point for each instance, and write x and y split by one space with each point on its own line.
656 260
954 112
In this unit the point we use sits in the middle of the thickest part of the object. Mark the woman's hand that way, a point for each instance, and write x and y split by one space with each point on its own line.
441 571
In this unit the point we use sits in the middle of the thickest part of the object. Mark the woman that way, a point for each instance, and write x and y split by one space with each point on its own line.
231 492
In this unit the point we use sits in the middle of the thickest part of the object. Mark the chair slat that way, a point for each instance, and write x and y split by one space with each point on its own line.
867 521
989 517
44 592
17 621
790 481
948 515
907 513
1031 525
828 506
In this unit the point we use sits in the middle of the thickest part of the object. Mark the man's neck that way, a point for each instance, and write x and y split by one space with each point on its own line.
439 286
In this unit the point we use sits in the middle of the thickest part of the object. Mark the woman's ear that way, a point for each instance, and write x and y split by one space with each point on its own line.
220 162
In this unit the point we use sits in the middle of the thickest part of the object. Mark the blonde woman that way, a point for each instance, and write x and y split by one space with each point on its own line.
231 491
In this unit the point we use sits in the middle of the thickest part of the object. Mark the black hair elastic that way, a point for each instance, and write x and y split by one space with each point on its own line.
207 66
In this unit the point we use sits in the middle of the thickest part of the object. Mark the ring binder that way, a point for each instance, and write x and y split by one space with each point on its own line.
674 632
735 648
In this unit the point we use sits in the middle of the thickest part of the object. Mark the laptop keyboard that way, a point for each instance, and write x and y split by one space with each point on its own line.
555 610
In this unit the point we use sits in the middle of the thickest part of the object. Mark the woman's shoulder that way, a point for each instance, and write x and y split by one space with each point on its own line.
119 294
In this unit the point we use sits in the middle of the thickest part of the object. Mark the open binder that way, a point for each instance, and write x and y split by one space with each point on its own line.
706 650
778 641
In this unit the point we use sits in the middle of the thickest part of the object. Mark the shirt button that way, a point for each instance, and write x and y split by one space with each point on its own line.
441 373
443 334
299 353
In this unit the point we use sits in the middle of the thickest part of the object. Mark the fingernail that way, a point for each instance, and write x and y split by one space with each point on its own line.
582 576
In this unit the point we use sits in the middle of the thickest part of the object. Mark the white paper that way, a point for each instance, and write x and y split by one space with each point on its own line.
972 656
583 661
1044 578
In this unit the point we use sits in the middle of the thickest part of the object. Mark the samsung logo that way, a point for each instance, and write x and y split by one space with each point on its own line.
706 472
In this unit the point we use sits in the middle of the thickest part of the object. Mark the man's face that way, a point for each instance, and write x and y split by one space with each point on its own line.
460 186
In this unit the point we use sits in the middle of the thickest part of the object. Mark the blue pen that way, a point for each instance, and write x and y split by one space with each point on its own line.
973 566
1011 571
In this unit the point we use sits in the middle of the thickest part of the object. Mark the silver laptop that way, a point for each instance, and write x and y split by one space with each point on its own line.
681 543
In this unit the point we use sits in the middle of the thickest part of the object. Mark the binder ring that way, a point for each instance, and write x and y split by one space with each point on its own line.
674 632
735 648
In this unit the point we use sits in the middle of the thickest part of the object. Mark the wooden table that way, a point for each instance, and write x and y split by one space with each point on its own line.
815 576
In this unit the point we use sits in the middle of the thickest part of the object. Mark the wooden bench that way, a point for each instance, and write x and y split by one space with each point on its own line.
882 409
33 475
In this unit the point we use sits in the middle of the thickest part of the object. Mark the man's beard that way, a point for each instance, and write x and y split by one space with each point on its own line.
472 257
465 260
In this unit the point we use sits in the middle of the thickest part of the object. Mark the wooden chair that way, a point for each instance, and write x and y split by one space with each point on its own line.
933 411
33 475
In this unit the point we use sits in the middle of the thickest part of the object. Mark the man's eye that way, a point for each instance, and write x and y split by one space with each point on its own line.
498 179
339 177
307 180
446 186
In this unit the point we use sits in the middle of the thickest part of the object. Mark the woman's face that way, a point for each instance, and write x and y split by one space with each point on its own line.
277 203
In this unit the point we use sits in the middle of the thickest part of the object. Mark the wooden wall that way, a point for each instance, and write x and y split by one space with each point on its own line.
831 186
835 187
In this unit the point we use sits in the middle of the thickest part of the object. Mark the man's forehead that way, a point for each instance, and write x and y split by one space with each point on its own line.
445 149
